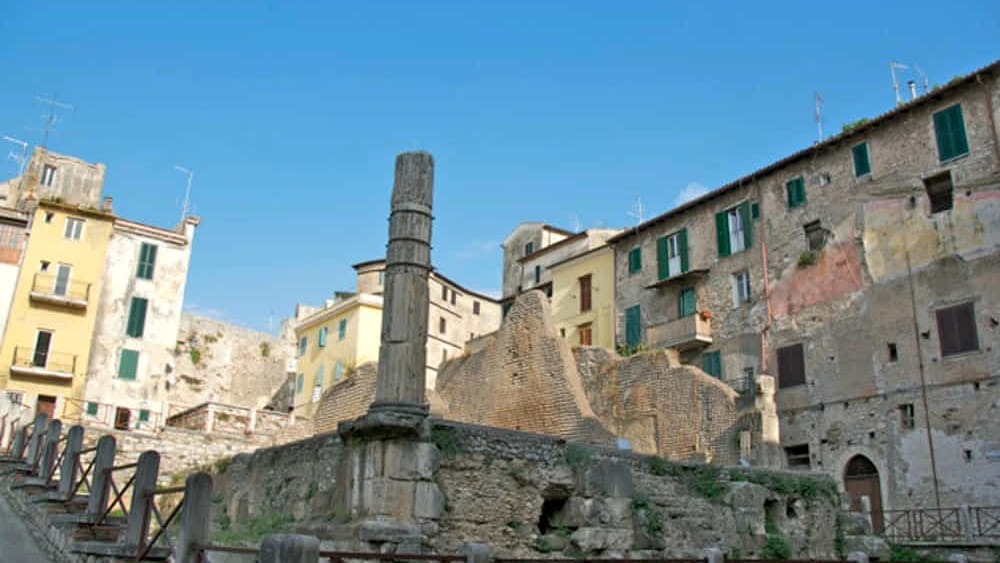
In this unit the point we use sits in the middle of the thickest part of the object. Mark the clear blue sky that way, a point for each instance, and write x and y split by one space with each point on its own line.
291 113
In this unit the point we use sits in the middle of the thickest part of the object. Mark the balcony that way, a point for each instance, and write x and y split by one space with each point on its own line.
684 333
47 288
28 361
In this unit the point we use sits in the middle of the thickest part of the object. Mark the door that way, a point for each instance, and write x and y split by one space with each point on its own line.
62 280
122 417
42 342
674 254
861 479
46 404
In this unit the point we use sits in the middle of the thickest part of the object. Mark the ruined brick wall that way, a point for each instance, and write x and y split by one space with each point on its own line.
346 400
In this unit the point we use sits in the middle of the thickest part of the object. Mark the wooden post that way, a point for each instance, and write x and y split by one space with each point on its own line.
195 516
48 458
37 433
17 449
104 458
71 459
139 514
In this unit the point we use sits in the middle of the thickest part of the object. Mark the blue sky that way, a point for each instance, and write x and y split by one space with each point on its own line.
291 114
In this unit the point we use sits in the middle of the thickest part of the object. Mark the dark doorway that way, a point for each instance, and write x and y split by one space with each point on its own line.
861 479
46 404
122 417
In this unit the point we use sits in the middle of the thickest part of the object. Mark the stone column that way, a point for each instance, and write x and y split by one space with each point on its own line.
402 358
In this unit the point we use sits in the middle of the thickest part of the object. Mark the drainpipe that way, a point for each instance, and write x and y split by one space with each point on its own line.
767 291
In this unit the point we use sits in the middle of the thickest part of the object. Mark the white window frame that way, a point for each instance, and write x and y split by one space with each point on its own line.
673 253
74 233
735 221
48 175
741 288
69 276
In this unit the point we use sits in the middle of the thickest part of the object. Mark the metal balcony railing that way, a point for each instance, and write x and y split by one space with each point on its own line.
29 360
685 332
51 288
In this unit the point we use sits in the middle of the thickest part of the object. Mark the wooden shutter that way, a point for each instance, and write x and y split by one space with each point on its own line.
136 317
747 225
585 293
682 248
633 332
342 328
957 329
722 233
861 164
949 129
662 259
686 302
711 363
322 336
128 365
634 260
791 366
92 408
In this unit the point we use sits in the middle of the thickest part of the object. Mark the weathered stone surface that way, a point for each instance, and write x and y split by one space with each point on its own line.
429 501
605 479
386 531
593 539
873 546
410 460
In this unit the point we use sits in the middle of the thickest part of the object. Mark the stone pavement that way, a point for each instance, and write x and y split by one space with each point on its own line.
17 545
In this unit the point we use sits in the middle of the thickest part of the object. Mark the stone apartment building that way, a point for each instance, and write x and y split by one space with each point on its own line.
864 273
346 331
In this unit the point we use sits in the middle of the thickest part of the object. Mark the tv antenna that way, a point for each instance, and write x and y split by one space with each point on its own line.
20 159
818 114
637 210
576 224
924 77
893 65
51 119
187 191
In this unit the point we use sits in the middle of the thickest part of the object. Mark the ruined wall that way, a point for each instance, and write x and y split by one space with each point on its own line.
526 494
346 400
75 181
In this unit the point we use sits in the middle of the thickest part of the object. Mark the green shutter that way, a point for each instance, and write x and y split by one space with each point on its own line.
686 300
143 415
342 329
796 192
682 248
949 128
147 261
747 225
722 233
302 346
298 382
136 317
92 408
634 260
711 363
662 262
861 164
633 330
322 336
754 210
128 365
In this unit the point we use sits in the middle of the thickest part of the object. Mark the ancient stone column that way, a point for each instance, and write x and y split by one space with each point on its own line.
402 357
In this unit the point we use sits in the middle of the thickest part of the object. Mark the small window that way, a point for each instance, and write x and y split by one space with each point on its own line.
454 297
585 334
444 293
747 385
686 302
635 260
548 290
741 287
711 363
299 381
585 293
338 370
906 418
815 235
442 325
940 192
791 366
43 341
92 408
733 229
128 365
319 377
303 343
949 129
322 336
798 456
893 353
796 189
147 260
529 248
342 329
538 274
74 228
43 266
137 317
862 164
957 329
48 175
49 216
381 277
475 307
143 415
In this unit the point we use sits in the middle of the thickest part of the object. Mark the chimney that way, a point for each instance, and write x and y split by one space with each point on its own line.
106 204
913 89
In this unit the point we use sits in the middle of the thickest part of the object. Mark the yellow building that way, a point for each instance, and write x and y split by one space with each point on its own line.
331 342
583 297
46 344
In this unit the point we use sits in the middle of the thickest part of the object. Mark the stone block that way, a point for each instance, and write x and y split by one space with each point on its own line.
410 460
390 497
875 547
386 530
577 512
618 511
606 478
428 501
591 539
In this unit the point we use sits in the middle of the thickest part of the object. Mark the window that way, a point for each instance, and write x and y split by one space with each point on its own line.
505 308
538 274
671 254
74 228
143 415
128 364
342 329
634 260
949 129
92 408
48 174
940 192
796 188
957 329
444 355
381 277
548 290
585 293
319 377
303 343
475 307
906 418
862 165
585 334
741 287
43 341
322 336
686 302
43 266
338 370
122 418
444 293
454 296
299 381
147 259
815 235
893 353
633 327
791 366
49 216
61 285
747 385
733 229
798 456
15 397
11 237
442 325
136 317
711 363
529 248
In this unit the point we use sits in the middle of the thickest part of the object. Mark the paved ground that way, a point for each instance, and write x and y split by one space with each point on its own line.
16 543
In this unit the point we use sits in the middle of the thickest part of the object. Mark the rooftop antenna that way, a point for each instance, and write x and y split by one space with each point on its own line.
576 224
187 191
51 119
819 115
927 84
637 210
20 159
893 65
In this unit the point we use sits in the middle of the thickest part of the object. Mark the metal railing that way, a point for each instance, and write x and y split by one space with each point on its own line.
162 525
942 524
61 362
51 286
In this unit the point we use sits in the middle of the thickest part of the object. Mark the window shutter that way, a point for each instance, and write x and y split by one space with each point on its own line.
128 364
342 329
861 164
634 260
959 142
322 336
754 210
711 363
722 233
682 247
92 408
662 262
633 332
747 225
136 317
791 366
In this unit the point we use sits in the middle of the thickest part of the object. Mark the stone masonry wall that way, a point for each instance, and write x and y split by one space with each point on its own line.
346 400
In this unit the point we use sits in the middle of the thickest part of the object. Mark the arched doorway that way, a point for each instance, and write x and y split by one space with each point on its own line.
861 479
